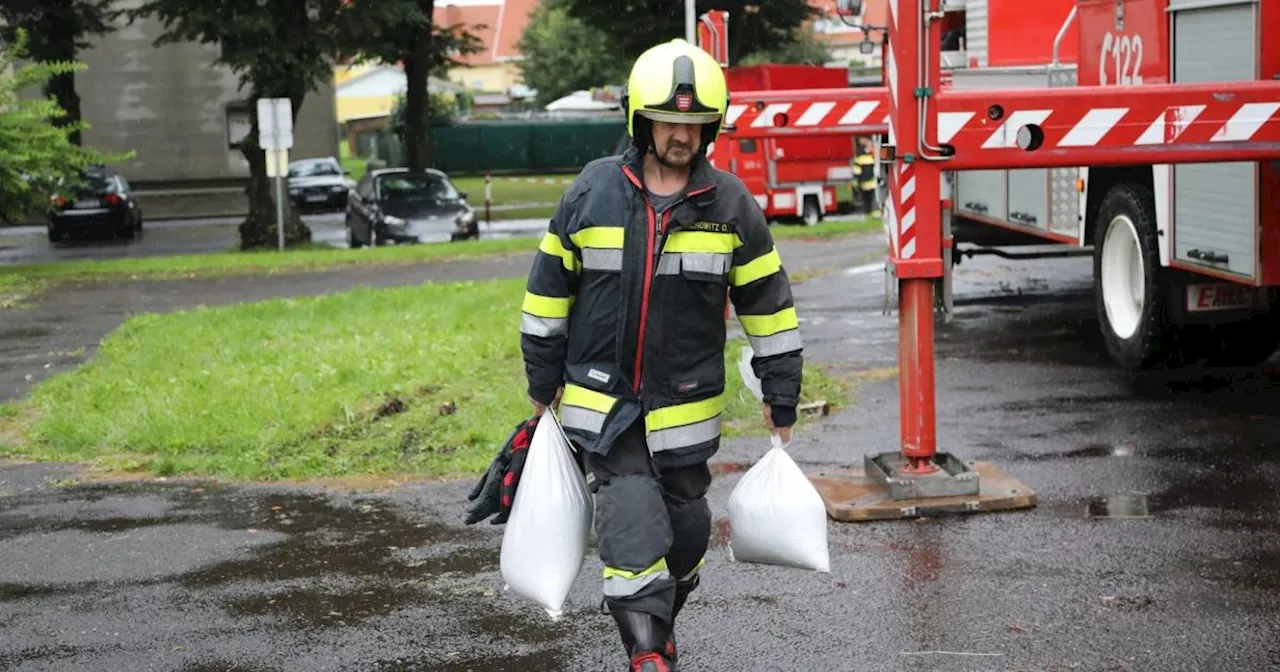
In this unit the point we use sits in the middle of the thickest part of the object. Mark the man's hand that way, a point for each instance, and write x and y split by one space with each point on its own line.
783 433
540 408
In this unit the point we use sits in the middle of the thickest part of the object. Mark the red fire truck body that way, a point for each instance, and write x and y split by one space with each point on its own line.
1190 258
790 175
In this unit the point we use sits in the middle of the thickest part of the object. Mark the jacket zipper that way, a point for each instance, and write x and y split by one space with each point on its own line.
650 254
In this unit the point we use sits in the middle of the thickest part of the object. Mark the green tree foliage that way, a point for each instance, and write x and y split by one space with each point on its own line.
36 154
279 49
632 26
801 49
563 54
423 49
442 111
57 30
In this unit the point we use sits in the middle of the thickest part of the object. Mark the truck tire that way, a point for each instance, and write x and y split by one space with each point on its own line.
812 213
1130 287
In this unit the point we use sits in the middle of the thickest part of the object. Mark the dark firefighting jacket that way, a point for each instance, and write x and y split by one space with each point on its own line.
626 309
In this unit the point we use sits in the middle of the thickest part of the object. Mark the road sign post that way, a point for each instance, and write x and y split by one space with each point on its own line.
275 135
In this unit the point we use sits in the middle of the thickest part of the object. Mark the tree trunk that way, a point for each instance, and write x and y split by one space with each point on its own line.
258 230
417 108
60 46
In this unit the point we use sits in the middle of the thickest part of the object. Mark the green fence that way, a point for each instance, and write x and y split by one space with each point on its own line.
507 146
524 146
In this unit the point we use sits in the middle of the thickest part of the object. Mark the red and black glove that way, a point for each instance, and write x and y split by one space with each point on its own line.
496 490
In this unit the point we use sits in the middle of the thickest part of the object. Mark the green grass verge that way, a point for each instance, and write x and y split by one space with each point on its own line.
21 281
412 380
513 189
825 229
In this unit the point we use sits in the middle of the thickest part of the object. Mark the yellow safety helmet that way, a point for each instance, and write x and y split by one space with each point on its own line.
675 82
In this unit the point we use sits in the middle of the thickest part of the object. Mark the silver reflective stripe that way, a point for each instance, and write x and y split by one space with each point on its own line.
594 259
683 437
617 586
669 264
706 262
543 326
585 419
783 341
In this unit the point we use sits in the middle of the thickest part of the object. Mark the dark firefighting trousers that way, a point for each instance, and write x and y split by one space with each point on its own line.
653 524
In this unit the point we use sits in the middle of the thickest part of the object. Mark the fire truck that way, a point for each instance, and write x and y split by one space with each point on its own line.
1169 131
790 174
1186 257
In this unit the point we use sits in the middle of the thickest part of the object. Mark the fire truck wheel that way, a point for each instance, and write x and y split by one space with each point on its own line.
812 213
1128 281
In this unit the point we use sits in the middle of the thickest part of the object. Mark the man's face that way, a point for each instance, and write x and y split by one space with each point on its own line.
675 144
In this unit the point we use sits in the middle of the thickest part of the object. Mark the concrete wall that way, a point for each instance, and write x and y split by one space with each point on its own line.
170 105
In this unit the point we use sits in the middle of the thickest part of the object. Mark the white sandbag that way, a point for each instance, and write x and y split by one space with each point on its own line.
546 535
776 516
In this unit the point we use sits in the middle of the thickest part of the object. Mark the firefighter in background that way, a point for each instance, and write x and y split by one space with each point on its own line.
624 327
864 169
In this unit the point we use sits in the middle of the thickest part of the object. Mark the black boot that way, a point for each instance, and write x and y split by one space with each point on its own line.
645 639
683 588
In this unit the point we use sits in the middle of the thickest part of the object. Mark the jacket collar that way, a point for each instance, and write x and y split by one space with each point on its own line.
701 187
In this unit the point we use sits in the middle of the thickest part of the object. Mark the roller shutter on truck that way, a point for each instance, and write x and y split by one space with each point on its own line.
1215 204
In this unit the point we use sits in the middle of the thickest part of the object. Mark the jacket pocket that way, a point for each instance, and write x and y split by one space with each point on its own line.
705 266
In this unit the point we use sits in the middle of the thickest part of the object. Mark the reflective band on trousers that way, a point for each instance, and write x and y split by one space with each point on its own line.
683 437
702 562
621 583
776 344
544 327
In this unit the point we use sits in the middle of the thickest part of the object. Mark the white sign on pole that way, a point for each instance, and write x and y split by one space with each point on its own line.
277 162
275 123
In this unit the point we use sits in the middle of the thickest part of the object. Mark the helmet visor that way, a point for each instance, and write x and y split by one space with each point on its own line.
680 117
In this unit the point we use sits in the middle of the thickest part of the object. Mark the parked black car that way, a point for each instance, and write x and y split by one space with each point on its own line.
101 203
394 205
318 183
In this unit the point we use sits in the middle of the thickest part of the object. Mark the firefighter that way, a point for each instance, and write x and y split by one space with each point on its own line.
623 327
864 169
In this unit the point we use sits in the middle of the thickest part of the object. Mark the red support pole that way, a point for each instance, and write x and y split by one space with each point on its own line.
915 222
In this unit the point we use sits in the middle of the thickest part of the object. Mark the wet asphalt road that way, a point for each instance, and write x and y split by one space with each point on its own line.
1155 545
30 245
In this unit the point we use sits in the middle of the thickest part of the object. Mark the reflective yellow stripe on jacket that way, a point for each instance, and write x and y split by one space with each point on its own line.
684 425
584 409
601 247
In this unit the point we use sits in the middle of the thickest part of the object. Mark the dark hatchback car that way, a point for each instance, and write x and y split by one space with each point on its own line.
101 203
318 183
394 205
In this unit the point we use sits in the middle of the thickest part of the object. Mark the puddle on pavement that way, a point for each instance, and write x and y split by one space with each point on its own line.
366 543
1094 450
1129 506
540 660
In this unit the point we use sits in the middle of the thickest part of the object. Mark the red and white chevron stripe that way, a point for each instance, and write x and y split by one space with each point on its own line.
1208 121
862 115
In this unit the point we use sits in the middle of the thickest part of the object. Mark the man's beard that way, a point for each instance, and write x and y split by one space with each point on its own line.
664 157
